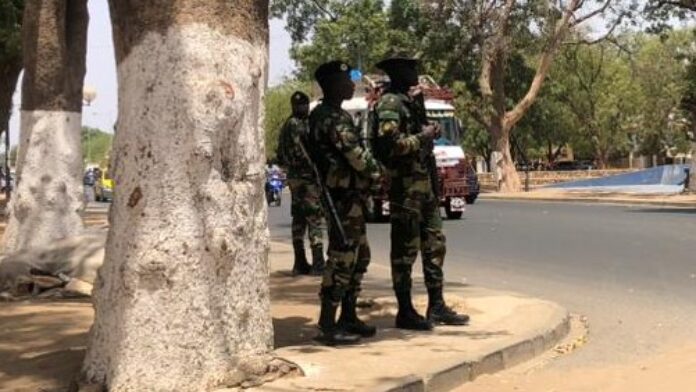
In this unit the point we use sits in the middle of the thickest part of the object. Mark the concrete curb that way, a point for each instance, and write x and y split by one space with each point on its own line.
457 373
593 200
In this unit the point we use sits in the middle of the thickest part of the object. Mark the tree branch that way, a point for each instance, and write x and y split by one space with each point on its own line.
562 27
577 21
323 9
606 36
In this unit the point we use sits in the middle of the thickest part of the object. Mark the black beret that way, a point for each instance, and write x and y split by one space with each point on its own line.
394 62
299 98
331 68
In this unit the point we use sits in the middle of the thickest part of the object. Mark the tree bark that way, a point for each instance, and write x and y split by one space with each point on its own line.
508 178
182 301
692 170
8 82
48 198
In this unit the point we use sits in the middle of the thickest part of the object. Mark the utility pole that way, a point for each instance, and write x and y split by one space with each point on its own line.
89 94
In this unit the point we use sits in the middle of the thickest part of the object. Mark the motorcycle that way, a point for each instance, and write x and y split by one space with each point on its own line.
274 188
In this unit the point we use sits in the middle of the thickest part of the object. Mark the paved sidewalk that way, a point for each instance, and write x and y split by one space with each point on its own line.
674 200
506 329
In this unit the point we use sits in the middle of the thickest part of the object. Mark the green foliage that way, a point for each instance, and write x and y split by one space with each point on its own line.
659 71
597 99
660 14
302 15
278 110
360 35
595 84
688 102
96 145
10 29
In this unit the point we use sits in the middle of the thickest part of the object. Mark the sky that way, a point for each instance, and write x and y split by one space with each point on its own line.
101 69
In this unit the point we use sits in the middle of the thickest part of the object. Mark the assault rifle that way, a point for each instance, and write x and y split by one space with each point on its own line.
326 199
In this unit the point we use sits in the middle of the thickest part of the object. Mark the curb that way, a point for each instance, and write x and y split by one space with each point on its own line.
594 200
455 374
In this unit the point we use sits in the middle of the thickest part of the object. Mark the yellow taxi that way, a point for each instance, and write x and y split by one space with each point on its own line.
104 188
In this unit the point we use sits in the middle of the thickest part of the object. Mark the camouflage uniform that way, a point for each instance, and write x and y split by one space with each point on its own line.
415 219
306 208
348 170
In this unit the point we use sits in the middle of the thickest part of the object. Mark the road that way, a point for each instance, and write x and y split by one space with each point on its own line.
630 270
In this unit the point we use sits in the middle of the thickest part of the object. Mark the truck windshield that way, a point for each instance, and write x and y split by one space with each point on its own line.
450 131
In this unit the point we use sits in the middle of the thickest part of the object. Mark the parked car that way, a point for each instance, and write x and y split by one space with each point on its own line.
572 165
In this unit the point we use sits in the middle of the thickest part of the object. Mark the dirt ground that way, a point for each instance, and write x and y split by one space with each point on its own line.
42 343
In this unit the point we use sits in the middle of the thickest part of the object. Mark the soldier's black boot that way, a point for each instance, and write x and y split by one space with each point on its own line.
439 313
407 316
331 334
349 320
301 266
318 263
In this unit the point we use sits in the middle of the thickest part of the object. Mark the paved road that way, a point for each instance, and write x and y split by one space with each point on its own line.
631 270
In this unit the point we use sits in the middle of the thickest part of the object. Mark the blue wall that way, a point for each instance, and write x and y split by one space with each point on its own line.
668 175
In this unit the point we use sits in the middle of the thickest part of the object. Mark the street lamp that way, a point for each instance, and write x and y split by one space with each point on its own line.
89 94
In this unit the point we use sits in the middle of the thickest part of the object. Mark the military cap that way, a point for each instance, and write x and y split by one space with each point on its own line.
394 62
330 69
299 98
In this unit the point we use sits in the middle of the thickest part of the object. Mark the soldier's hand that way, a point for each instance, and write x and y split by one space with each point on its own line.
430 132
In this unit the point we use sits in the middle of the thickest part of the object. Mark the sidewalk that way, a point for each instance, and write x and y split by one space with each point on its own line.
506 329
42 342
548 195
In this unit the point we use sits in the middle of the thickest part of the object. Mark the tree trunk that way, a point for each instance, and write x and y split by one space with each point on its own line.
47 203
692 170
182 301
8 82
504 168
602 156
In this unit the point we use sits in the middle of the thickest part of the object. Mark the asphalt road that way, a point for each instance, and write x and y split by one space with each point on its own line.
630 270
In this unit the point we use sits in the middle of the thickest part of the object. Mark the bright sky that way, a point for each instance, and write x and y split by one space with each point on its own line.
101 69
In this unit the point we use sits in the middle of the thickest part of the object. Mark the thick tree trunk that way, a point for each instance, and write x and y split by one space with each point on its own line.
182 300
48 200
509 180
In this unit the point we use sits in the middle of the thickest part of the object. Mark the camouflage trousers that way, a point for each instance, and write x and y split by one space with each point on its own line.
306 212
346 266
416 226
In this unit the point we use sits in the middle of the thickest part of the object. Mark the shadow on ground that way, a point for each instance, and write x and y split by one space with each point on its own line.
42 343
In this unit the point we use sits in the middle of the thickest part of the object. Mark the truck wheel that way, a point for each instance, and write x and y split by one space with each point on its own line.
470 199
453 214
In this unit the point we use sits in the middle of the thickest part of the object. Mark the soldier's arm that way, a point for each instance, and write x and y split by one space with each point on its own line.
390 118
346 141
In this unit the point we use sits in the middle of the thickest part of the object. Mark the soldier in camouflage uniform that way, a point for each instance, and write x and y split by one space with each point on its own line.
306 208
416 225
348 170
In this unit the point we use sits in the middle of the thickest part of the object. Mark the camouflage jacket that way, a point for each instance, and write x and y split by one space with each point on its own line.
290 155
397 144
335 146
